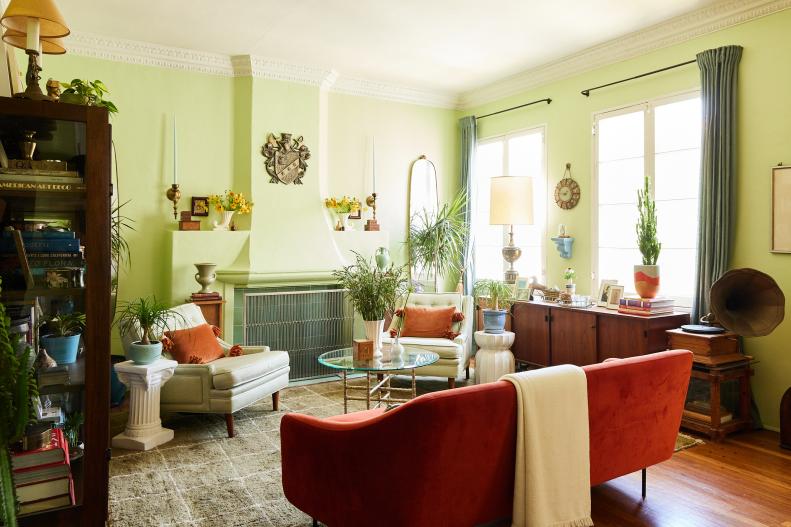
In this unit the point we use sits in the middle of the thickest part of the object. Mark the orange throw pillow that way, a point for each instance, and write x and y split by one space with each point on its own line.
427 322
196 345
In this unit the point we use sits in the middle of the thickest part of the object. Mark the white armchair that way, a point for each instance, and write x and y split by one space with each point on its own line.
225 385
454 355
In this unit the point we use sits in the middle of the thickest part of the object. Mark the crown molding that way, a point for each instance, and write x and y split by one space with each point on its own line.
392 92
674 31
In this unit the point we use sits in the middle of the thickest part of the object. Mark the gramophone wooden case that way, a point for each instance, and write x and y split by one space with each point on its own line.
710 350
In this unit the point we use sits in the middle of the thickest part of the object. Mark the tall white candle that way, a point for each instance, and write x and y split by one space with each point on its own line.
175 153
33 33
374 163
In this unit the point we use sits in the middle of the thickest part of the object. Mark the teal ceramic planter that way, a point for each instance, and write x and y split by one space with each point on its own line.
494 320
144 353
62 349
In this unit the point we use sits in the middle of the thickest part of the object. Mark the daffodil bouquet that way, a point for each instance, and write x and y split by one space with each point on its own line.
344 205
231 201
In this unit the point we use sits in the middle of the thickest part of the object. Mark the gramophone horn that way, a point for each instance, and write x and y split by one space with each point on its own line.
747 302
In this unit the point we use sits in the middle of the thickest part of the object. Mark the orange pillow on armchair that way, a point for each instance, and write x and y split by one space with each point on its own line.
427 322
196 345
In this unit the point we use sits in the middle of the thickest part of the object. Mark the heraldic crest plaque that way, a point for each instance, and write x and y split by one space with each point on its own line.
285 158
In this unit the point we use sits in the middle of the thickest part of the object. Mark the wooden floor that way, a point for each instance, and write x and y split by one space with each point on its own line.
743 481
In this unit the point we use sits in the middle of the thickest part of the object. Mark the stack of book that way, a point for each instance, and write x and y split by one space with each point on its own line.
42 477
54 259
646 306
701 411
204 297
40 179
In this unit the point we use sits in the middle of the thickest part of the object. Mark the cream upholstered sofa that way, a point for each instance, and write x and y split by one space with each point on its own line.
225 385
454 355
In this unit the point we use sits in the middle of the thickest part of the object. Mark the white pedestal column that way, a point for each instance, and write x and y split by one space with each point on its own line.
144 428
494 358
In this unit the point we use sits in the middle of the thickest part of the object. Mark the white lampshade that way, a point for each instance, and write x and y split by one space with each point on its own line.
511 201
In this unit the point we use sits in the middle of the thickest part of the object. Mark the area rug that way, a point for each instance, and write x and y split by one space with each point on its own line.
683 441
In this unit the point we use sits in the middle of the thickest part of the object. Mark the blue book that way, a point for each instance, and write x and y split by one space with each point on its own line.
41 245
47 235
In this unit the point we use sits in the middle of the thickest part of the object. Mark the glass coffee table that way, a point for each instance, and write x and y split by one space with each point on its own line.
378 372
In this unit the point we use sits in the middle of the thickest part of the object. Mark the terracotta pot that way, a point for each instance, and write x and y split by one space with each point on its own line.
646 280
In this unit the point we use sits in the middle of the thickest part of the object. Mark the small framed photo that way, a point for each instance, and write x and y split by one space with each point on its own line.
356 215
614 296
200 206
604 292
523 288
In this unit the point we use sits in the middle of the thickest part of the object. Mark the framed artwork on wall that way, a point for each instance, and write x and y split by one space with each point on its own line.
781 209
604 292
200 206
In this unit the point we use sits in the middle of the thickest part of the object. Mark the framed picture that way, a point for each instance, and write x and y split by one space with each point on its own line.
523 288
781 209
200 206
356 215
604 292
614 296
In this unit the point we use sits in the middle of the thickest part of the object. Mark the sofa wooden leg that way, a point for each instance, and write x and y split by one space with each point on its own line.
315 522
451 382
229 424
644 477
467 372
275 401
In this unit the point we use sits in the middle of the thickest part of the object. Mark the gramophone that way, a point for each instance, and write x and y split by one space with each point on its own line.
750 304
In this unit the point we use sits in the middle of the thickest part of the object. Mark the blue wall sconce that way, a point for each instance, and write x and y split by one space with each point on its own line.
564 244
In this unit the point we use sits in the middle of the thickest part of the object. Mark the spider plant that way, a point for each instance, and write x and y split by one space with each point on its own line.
67 325
145 317
499 295
437 241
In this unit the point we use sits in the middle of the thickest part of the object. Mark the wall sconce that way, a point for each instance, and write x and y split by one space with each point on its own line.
174 195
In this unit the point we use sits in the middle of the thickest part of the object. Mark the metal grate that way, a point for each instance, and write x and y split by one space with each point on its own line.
303 323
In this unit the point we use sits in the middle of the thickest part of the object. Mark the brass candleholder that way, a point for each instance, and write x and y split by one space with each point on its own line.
32 89
174 195
372 224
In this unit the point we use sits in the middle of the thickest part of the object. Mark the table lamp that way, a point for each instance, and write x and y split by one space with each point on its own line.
35 26
511 204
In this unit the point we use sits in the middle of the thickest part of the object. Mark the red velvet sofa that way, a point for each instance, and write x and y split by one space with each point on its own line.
447 458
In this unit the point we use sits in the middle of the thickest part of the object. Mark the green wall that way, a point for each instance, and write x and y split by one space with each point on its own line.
764 139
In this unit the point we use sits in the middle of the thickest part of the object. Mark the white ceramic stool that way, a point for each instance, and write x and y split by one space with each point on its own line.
144 428
494 358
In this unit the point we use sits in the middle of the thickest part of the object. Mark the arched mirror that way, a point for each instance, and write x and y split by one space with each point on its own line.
423 203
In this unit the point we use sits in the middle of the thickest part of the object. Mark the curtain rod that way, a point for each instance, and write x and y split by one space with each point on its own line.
547 100
587 92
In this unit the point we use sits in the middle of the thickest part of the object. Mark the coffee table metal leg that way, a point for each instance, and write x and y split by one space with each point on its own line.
367 391
414 394
345 394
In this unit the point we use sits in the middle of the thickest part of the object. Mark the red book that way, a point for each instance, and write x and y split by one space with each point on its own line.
56 452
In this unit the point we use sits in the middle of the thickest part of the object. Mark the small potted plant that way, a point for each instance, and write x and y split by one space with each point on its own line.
646 276
568 275
228 204
373 292
86 93
498 299
145 318
63 340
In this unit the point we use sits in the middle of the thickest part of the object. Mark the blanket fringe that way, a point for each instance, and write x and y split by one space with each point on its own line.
582 522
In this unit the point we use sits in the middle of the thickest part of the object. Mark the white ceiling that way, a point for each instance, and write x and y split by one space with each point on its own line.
444 45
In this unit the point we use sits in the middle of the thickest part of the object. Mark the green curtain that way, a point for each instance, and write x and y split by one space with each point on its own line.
718 80
468 134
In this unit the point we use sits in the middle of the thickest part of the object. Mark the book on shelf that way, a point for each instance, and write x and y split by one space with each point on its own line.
49 503
38 173
42 490
41 245
48 235
41 473
647 303
641 313
57 451
42 186
206 296
73 373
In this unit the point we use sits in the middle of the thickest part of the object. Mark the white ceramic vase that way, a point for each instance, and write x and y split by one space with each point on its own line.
344 220
373 331
225 225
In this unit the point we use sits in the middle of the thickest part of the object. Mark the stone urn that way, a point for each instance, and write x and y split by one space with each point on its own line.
205 276
646 280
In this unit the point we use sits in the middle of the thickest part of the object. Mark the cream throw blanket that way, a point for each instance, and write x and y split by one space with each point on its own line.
552 477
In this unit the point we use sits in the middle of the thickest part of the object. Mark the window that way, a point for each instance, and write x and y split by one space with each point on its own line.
659 139
518 154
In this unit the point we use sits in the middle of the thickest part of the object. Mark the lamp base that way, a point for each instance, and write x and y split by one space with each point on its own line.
32 89
510 276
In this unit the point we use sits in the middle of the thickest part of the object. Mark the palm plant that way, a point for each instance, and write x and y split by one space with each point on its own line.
65 325
437 241
372 291
647 241
499 294
145 317
120 255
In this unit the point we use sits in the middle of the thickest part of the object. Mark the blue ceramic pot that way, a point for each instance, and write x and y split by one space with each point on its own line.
494 320
62 349
117 388
144 353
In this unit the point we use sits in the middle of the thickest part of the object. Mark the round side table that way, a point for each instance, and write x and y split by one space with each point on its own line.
494 358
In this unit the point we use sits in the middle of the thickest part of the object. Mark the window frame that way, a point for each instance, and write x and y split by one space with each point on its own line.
649 158
544 176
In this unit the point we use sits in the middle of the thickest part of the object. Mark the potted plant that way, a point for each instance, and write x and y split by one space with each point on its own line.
373 292
18 382
646 276
87 93
227 205
143 317
342 208
63 341
568 275
437 241
498 299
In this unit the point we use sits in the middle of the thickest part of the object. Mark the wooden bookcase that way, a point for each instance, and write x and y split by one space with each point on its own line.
82 136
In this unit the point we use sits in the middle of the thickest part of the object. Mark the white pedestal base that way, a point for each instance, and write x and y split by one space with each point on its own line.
494 358
144 429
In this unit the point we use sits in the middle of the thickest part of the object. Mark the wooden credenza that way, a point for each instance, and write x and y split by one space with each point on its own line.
549 334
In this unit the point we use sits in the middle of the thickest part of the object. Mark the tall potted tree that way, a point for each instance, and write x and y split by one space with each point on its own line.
646 276
373 292
437 240
498 299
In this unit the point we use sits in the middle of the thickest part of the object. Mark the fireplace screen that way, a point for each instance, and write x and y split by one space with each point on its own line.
304 323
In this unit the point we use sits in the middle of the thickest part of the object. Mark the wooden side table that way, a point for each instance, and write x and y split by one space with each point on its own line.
212 311
712 422
494 358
